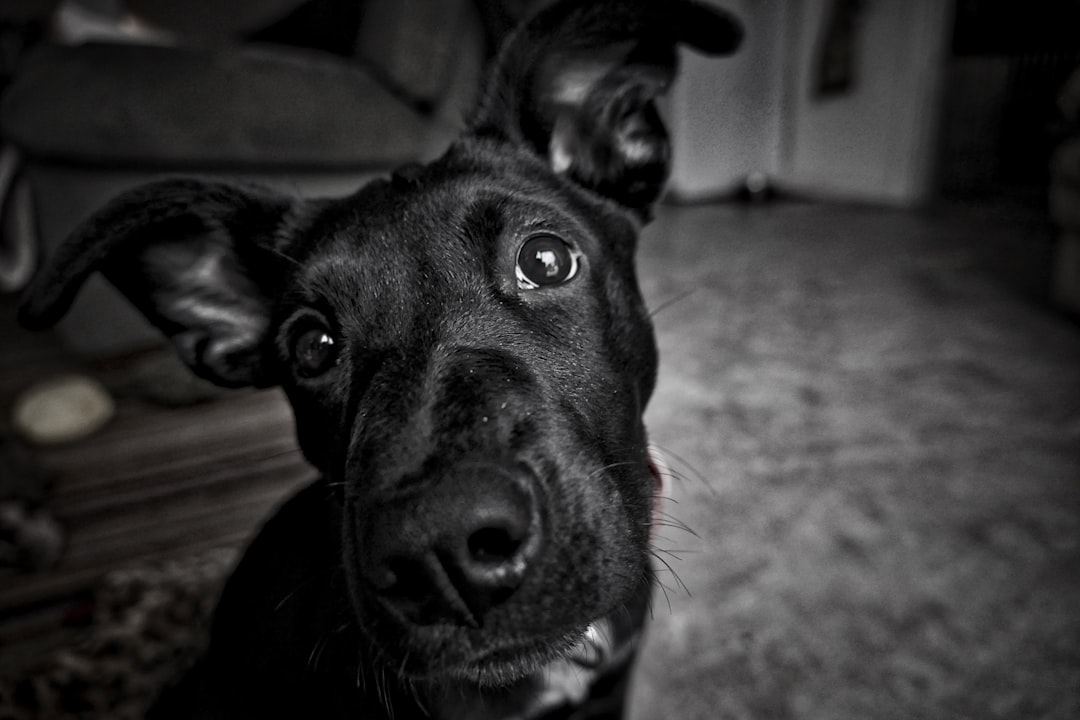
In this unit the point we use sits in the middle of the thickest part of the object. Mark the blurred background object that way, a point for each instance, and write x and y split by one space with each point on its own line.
315 96
1065 201
924 100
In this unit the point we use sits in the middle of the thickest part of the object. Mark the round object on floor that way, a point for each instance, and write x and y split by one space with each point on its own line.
62 409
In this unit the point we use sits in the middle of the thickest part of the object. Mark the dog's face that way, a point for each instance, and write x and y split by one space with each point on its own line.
469 356
464 343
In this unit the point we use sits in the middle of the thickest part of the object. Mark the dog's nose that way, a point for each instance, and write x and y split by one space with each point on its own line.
457 549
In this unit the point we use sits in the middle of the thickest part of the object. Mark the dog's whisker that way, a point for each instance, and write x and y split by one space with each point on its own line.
383 690
669 553
663 589
673 473
681 551
660 583
417 697
673 527
670 569
694 472
671 521
284 256
661 524
649 599
316 653
664 519
292 593
671 301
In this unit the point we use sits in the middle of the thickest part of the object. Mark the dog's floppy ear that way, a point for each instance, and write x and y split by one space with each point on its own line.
198 259
578 85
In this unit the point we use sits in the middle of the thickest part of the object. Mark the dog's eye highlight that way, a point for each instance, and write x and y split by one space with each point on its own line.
314 351
545 260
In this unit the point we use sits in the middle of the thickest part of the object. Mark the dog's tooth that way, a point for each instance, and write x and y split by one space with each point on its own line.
591 650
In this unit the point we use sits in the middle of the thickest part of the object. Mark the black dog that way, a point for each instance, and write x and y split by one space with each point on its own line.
468 357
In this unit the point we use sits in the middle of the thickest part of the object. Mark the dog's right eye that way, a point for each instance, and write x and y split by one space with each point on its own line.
545 260
314 351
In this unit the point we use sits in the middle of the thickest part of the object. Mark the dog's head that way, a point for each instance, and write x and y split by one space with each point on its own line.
463 343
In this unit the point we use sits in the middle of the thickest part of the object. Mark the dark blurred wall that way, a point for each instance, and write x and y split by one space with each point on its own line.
1009 62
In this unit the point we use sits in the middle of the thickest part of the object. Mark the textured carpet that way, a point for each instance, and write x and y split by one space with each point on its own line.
888 428
144 625
877 430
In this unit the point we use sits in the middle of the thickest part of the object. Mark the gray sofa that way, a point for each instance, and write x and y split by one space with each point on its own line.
87 121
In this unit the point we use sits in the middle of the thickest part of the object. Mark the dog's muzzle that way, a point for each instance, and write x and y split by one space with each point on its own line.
607 647
455 551
450 554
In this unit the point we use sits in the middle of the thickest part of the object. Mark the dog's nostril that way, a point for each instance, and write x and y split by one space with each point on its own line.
457 551
502 539
494 544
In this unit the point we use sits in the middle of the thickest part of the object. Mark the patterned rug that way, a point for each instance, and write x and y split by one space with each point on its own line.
147 624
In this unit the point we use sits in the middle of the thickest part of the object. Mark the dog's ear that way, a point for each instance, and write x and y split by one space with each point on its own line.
200 260
578 85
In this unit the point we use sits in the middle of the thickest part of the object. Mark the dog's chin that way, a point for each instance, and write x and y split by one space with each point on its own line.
506 666
491 667
528 679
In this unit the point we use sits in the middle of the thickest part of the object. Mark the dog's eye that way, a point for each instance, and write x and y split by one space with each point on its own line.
314 351
545 260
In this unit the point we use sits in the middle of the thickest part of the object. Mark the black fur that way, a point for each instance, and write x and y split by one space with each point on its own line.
485 493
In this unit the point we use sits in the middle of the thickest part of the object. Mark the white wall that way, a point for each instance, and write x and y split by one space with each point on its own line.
725 114
756 111
878 142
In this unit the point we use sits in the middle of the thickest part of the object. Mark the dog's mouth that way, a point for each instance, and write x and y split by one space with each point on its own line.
594 648
583 653
531 673
545 675
560 677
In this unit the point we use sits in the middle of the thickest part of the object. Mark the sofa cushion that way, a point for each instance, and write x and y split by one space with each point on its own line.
184 108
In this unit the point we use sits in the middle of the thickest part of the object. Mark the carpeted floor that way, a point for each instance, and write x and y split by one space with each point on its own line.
877 425
888 426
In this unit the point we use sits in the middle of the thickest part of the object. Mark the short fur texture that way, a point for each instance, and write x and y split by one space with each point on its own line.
485 497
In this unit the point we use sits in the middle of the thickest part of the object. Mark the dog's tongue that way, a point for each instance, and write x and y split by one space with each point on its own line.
661 482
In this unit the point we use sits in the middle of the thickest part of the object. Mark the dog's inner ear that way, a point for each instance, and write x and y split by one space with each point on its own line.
579 84
200 293
605 130
199 260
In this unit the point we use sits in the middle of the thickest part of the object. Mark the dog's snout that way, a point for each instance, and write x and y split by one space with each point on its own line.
458 549
500 539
